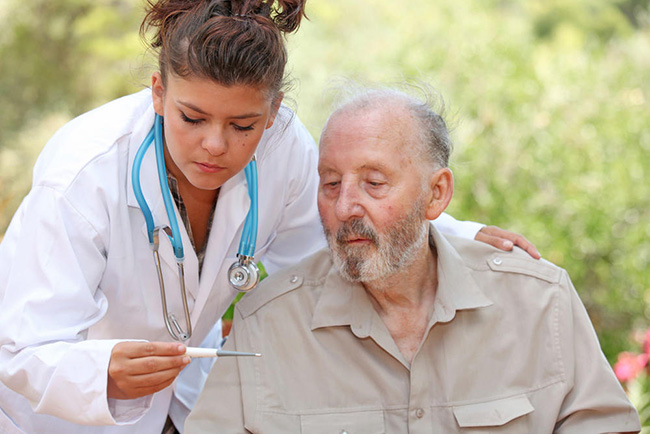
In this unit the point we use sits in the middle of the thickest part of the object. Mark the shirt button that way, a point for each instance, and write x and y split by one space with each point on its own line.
497 261
294 279
344 431
419 413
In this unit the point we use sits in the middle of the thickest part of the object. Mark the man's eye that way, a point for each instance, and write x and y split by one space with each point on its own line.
189 120
376 183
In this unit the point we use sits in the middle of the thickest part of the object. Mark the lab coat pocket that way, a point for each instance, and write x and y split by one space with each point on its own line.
502 415
366 422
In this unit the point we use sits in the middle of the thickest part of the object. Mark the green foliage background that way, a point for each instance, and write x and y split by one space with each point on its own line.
549 100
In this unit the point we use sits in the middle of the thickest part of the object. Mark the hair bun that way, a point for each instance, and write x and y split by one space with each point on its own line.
228 41
285 14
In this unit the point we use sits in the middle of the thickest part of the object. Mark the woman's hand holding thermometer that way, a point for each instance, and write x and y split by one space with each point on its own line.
138 369
213 352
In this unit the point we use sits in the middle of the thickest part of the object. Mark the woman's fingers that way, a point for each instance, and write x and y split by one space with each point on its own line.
143 349
138 369
505 240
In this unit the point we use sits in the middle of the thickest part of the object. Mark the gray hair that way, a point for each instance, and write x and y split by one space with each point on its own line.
426 110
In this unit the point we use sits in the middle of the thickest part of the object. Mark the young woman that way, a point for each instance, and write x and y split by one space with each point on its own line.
83 337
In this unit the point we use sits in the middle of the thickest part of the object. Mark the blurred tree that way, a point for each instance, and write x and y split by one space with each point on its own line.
52 53
599 19
636 11
59 59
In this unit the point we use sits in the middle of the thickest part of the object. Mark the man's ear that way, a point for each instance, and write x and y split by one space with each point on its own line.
275 106
441 185
158 93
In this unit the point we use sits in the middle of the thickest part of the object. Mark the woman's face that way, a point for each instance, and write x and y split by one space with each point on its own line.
211 131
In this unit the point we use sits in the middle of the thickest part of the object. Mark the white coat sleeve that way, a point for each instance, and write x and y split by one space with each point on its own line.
299 232
53 260
450 226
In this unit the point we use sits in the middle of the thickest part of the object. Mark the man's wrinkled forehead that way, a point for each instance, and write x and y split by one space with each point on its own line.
382 123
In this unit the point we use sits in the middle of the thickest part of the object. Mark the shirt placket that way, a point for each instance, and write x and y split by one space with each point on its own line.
419 411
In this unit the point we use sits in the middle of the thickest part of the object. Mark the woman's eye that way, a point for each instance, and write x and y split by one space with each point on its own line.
189 120
243 128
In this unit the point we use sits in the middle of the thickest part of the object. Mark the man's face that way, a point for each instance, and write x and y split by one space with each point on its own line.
371 198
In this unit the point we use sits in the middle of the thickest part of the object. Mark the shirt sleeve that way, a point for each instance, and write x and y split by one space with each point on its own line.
49 290
596 402
463 229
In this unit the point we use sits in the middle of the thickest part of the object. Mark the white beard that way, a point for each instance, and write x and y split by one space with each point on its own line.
389 252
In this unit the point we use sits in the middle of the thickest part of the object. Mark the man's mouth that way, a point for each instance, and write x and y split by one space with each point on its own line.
357 241
355 233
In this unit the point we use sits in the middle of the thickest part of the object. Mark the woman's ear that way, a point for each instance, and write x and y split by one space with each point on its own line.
441 184
158 93
275 106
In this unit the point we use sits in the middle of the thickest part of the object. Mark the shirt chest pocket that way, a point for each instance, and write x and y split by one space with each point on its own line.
498 416
366 422
361 422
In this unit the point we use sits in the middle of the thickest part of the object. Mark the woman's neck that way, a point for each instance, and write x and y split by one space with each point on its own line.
198 202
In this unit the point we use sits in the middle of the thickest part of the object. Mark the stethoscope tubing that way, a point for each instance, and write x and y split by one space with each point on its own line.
175 237
137 186
249 235
245 263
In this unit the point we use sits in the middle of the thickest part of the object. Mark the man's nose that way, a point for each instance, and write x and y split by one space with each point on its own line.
348 204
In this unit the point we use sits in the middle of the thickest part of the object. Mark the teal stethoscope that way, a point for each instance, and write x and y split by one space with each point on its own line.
243 274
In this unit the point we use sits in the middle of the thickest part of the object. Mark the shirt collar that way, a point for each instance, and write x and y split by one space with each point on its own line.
344 303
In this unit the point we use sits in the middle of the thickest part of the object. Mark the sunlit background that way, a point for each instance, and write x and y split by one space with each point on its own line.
549 102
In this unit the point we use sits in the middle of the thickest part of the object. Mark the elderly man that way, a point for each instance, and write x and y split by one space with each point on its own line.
399 329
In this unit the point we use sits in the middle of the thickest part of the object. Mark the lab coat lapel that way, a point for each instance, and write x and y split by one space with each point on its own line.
153 195
227 226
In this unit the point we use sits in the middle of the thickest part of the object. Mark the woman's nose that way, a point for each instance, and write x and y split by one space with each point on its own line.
215 143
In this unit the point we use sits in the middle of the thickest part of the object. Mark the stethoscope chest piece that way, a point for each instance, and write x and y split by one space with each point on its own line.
244 274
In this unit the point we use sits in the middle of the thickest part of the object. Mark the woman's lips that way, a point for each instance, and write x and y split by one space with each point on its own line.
209 168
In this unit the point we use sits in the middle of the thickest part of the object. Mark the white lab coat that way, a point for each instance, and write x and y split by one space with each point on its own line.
77 274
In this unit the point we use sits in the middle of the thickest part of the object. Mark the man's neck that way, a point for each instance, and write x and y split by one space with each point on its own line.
404 301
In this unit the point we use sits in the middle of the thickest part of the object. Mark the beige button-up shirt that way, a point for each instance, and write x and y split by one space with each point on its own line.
510 349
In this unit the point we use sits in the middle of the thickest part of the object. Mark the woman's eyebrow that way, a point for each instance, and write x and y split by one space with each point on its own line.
192 107
199 110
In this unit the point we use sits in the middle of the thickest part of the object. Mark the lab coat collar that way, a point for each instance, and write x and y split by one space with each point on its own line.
344 303
148 172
